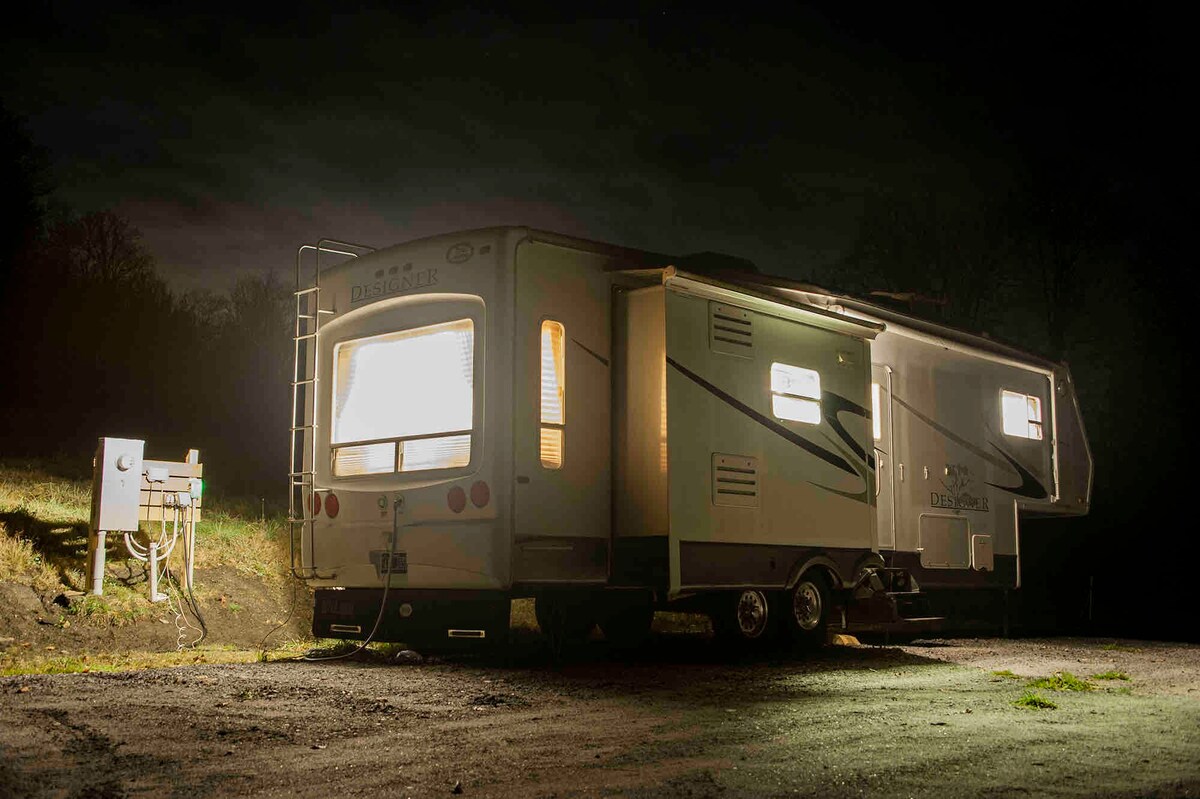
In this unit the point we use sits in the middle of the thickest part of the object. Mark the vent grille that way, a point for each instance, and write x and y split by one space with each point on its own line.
735 480
730 330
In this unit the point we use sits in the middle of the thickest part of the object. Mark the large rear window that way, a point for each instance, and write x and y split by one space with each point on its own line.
404 401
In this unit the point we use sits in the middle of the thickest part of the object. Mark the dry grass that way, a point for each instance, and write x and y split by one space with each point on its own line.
21 563
64 663
44 520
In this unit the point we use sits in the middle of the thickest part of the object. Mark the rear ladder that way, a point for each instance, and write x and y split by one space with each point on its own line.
309 313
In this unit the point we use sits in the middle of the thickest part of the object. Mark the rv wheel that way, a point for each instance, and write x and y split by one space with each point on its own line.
809 606
746 618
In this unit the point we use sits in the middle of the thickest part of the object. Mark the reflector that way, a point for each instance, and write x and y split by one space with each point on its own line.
456 499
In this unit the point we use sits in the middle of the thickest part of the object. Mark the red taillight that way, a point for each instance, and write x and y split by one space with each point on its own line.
332 506
457 499
480 494
314 504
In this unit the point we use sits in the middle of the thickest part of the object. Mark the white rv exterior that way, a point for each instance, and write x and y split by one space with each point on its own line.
504 412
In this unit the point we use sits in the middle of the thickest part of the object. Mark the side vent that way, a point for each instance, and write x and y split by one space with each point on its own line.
735 480
730 330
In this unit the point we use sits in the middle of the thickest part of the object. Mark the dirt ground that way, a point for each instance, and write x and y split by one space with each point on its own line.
681 718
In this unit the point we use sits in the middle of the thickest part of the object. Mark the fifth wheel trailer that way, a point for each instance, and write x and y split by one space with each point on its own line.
506 413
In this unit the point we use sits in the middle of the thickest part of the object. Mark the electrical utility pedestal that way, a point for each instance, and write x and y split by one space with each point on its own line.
128 489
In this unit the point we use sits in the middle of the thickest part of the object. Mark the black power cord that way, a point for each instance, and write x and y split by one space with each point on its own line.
397 509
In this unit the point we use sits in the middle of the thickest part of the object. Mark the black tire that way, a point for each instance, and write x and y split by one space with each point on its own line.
808 607
745 618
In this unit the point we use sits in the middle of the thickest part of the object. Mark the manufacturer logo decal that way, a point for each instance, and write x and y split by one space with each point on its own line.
957 494
397 280
460 253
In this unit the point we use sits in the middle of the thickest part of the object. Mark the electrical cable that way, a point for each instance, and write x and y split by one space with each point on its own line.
292 609
387 583
174 593
177 607
188 569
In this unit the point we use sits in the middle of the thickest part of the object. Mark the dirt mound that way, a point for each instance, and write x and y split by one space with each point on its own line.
238 611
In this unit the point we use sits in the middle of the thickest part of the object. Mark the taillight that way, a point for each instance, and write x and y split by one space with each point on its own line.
480 494
456 499
332 506
314 504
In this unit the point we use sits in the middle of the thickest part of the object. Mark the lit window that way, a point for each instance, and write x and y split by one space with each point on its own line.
795 393
554 394
876 412
403 401
1022 415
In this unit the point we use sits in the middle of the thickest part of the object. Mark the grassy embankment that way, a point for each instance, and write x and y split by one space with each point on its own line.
44 516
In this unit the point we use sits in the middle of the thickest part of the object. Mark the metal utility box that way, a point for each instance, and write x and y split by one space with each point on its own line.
128 489
116 484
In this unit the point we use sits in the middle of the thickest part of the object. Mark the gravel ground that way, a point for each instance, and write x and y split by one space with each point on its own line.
682 719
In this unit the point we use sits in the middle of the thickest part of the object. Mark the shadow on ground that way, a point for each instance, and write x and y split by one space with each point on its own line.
668 666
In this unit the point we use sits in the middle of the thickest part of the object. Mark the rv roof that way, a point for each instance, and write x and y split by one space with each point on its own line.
824 297
847 324
651 265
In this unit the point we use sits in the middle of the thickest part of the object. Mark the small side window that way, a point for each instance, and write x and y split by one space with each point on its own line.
876 412
1021 415
795 393
553 395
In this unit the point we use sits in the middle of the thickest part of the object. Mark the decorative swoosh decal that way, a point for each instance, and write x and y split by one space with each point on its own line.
1029 487
863 474
591 352
833 404
775 427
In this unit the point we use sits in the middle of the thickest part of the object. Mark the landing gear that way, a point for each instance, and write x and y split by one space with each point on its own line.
626 620
564 619
743 617
809 605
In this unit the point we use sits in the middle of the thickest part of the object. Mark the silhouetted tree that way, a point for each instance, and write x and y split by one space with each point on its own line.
935 256
24 185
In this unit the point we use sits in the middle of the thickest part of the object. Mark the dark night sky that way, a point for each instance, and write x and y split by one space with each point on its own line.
229 140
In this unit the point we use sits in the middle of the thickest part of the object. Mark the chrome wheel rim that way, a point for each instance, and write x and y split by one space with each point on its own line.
806 605
752 614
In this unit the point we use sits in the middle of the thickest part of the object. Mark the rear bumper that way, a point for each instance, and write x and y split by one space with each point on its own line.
424 619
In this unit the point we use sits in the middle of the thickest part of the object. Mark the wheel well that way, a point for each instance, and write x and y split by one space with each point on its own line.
870 558
825 567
